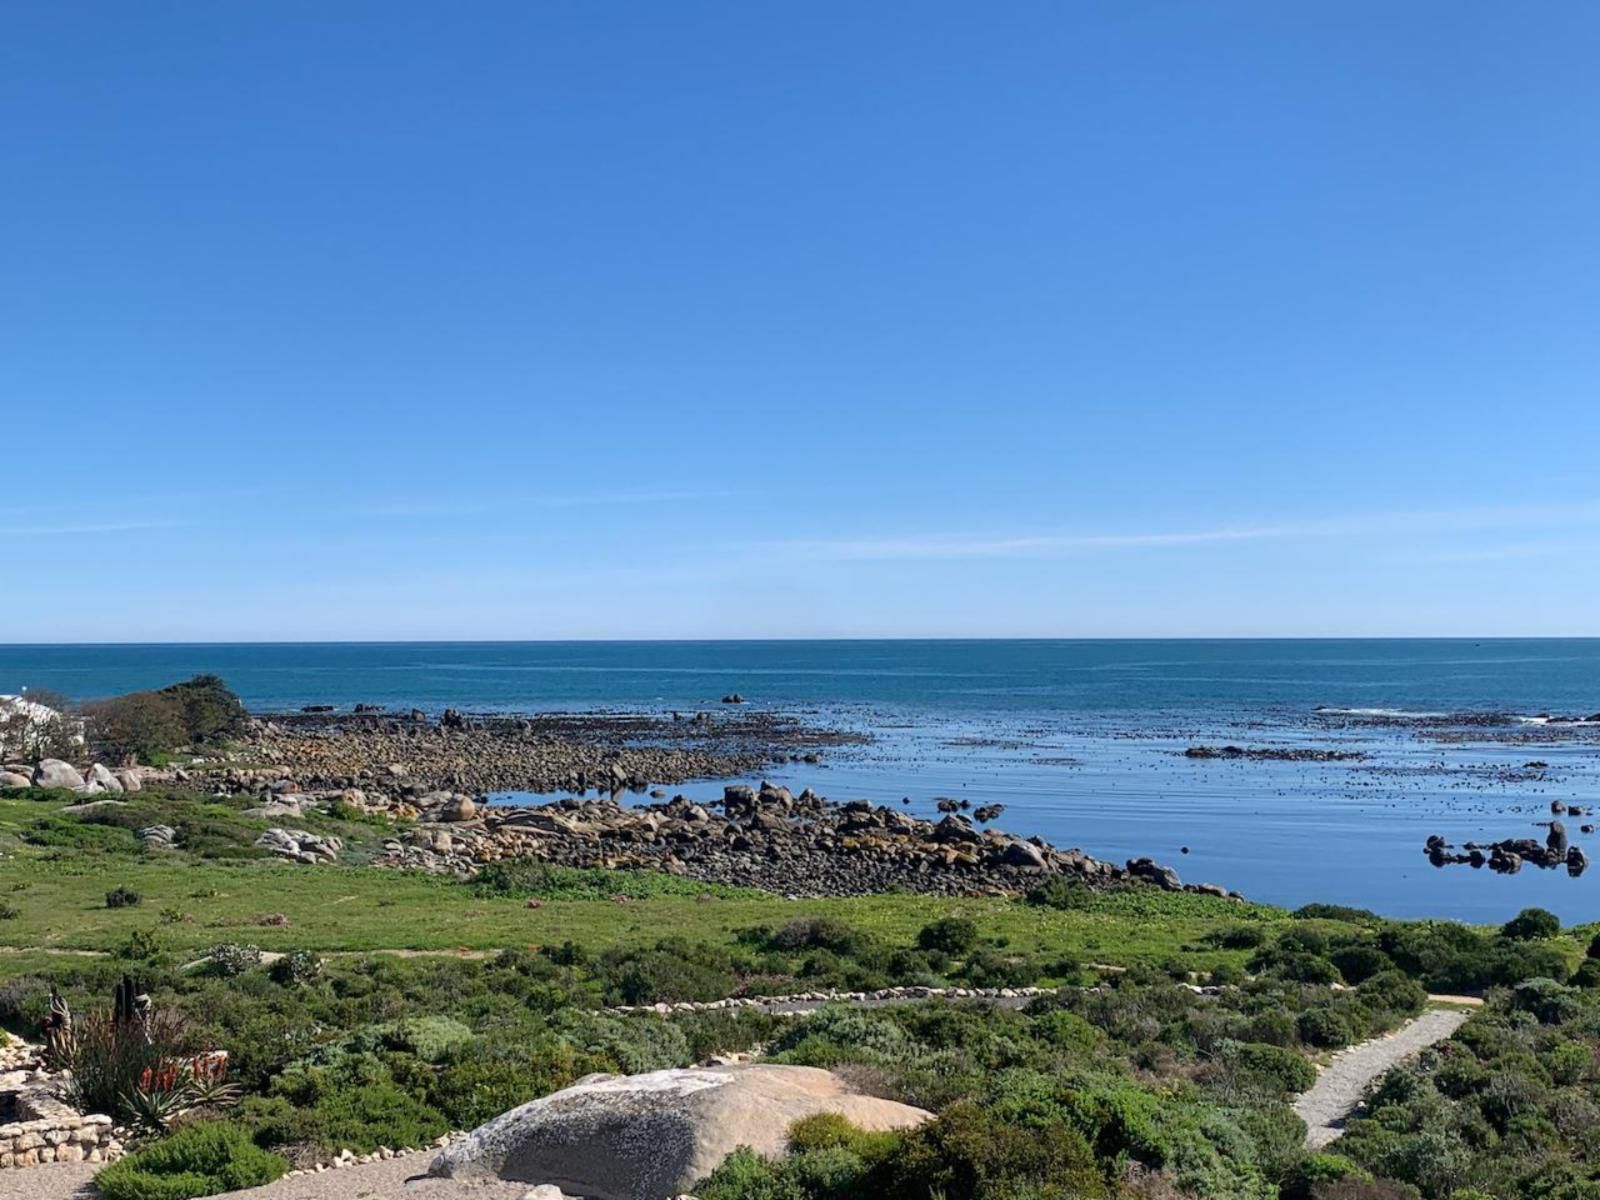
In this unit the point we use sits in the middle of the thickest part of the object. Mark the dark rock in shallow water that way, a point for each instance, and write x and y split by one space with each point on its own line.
1274 754
1508 856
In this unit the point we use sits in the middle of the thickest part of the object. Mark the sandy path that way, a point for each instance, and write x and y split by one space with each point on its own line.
1341 1084
370 1181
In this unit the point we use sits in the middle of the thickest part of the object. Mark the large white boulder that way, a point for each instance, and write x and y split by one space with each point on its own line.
651 1137
53 773
100 779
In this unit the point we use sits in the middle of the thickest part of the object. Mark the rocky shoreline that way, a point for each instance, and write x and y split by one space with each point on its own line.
433 778
764 838
411 755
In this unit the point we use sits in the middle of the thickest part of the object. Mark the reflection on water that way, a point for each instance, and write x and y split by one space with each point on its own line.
1287 832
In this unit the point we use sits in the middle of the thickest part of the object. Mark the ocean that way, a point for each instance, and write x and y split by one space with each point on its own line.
1082 741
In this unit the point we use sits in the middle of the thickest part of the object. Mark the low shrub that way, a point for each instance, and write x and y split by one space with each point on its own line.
1324 1028
1531 924
122 896
1279 1071
1238 937
1336 912
356 1103
1061 893
954 936
199 1160
296 967
1360 963
232 959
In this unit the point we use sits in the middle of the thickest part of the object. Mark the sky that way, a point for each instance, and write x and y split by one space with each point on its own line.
567 319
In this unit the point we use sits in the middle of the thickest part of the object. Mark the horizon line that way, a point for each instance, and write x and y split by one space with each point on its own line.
645 641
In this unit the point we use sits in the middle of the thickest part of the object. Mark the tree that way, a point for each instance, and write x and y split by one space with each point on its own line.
1532 924
36 725
138 725
210 709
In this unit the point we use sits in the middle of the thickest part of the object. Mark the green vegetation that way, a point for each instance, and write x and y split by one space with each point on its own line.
1508 1108
200 1160
1139 1087
150 725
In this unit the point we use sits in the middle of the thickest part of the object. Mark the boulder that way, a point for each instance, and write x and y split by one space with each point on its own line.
11 779
53 773
100 779
130 779
1153 872
653 1136
1023 854
458 808
300 845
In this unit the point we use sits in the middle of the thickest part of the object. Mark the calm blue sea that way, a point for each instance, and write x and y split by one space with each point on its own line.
1081 740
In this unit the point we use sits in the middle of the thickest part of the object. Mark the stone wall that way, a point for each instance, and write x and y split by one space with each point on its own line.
38 1127
50 1132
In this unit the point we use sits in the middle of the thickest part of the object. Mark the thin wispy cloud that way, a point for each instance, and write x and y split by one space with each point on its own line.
445 507
72 530
847 549
1014 545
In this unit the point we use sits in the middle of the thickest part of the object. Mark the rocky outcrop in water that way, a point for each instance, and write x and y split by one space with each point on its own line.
1274 754
766 838
1508 856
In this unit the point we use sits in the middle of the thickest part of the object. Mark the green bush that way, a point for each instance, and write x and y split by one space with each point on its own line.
67 833
210 710
969 1153
199 1160
1588 974
355 1103
1531 924
1238 937
1324 1028
1360 963
429 1038
1061 893
296 967
1336 912
231 959
635 1044
1548 1001
477 1081
122 896
671 970
1280 1071
1305 968
1319 1169
954 936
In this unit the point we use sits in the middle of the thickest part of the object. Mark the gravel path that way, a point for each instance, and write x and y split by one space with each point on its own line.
370 1181
1341 1084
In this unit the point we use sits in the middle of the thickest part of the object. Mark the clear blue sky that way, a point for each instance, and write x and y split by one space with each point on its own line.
573 319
